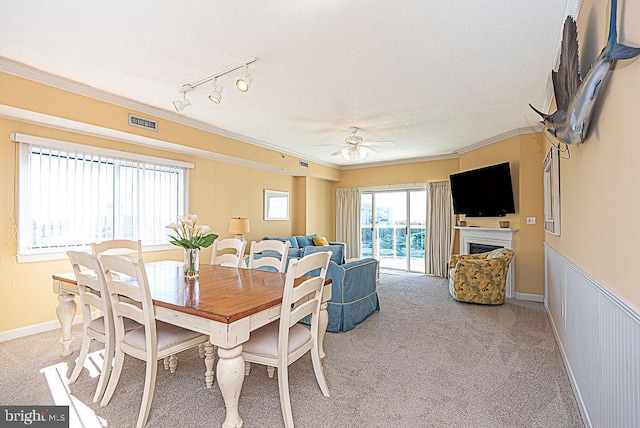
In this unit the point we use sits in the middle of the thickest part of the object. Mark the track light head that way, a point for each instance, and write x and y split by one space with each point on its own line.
184 102
243 83
181 104
215 96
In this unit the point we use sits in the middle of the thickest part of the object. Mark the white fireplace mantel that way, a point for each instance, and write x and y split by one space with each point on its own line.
499 237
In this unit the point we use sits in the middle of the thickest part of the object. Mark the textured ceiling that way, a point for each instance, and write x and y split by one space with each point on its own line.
433 77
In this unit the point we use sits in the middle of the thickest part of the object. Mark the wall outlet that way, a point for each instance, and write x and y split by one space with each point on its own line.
531 220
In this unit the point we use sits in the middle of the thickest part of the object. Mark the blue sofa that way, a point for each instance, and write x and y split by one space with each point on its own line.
353 285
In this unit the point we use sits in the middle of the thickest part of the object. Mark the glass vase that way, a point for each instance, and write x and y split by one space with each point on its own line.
191 262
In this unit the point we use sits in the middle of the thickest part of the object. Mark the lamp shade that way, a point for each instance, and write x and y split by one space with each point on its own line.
239 226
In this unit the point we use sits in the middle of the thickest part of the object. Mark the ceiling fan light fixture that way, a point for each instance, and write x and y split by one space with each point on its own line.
362 152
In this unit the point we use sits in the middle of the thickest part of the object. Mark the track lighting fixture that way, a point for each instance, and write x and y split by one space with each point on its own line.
243 83
216 93
215 96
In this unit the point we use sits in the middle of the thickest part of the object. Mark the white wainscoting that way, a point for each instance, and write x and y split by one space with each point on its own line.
599 337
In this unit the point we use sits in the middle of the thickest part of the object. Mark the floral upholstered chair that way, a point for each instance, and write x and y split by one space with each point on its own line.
480 278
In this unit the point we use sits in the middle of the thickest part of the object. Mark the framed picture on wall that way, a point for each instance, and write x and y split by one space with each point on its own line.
276 205
552 191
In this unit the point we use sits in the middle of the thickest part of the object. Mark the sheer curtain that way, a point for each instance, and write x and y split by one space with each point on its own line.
348 219
440 222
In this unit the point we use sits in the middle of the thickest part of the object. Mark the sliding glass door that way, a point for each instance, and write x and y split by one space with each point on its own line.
393 228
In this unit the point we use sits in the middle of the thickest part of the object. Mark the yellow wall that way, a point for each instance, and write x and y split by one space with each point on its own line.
409 173
525 154
599 202
218 192
320 200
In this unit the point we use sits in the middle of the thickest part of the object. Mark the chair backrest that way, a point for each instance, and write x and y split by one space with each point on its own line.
501 253
302 299
108 247
91 287
228 258
128 287
263 254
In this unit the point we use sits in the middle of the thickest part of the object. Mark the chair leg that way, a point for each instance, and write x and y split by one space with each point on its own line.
82 357
201 350
106 371
173 363
270 371
147 396
247 368
317 368
166 363
285 401
118 361
209 360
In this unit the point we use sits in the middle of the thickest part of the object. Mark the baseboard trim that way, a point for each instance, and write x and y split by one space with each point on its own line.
34 329
530 297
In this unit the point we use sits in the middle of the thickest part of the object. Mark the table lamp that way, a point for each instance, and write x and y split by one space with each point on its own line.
239 226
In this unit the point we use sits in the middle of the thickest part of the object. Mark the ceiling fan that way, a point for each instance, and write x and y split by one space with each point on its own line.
355 148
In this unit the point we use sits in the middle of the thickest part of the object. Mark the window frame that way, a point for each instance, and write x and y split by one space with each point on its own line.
23 141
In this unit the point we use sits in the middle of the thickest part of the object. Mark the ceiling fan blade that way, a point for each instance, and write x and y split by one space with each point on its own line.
377 143
369 149
337 152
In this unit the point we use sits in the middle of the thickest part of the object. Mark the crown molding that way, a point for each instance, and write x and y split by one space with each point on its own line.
24 71
54 122
401 161
495 139
39 76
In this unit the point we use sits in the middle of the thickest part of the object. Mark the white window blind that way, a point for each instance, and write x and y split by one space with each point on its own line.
71 195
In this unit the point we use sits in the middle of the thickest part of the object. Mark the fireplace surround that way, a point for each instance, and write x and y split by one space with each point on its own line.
491 238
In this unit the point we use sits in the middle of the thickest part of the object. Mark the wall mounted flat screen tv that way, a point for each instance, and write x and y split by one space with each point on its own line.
483 192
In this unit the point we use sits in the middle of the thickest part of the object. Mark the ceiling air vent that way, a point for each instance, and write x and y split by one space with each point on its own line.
304 164
141 122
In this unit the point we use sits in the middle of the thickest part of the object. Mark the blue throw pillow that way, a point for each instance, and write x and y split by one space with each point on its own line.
291 239
305 241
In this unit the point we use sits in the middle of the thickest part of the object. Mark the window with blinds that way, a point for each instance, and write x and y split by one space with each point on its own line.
70 195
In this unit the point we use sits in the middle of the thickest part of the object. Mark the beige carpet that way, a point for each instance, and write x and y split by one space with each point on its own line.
423 361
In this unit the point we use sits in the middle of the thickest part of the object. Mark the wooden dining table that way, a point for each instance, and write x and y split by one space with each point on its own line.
225 303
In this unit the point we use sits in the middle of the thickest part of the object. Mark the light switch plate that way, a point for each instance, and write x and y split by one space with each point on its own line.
531 220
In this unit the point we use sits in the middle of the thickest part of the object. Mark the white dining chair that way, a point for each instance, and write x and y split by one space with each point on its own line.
280 343
93 295
154 341
228 252
120 246
261 254
116 245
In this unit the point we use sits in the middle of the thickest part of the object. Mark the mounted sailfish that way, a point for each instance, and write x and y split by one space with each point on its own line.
575 97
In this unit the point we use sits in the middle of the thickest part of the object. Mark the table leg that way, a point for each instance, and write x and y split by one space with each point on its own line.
230 374
323 321
65 311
